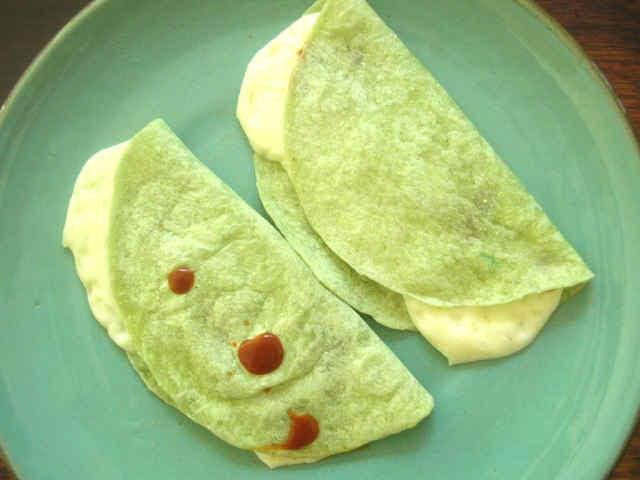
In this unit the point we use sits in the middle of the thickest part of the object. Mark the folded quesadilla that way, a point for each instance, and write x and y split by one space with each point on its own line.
399 187
220 317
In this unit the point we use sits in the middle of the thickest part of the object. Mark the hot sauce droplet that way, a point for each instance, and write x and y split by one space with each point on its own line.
303 430
261 354
181 280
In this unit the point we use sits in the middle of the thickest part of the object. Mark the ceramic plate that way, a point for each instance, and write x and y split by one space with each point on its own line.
70 405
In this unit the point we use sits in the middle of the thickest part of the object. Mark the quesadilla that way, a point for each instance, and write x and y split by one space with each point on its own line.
220 317
400 186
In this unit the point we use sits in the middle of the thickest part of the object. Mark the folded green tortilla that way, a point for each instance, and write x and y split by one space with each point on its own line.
372 139
281 203
143 208
398 185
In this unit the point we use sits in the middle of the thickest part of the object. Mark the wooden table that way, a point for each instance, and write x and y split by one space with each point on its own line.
609 31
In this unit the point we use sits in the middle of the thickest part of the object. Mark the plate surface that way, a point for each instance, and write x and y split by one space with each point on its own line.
72 408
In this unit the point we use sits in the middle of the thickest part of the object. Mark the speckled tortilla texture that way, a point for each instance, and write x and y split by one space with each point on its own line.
169 210
399 183
281 203
147 377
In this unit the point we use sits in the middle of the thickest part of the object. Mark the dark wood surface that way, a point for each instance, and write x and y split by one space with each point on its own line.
608 30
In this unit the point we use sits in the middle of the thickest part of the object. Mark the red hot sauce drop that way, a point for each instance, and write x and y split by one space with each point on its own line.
261 354
303 430
181 280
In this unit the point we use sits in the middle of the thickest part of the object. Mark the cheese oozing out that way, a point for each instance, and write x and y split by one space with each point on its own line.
85 234
467 334
261 102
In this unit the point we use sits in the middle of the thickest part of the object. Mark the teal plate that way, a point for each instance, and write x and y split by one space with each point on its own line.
72 408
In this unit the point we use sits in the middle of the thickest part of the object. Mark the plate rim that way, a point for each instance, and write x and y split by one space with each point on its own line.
618 445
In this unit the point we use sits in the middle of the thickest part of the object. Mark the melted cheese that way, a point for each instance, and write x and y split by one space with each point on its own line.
261 103
466 334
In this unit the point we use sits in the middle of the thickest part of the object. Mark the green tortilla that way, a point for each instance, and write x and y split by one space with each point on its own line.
169 210
280 202
397 181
